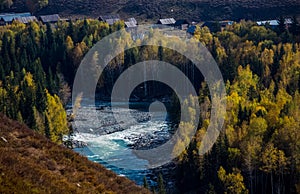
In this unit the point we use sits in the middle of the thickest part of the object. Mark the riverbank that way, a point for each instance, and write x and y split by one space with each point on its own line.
111 145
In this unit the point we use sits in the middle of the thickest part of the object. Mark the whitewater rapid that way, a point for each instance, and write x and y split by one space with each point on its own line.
115 149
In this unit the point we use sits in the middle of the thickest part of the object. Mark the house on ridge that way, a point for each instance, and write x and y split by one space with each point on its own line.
191 30
54 18
274 23
110 19
225 23
182 24
167 21
131 23
27 19
8 18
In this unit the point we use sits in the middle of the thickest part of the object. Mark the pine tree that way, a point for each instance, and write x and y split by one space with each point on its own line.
57 118
233 182
281 25
295 28
145 184
211 189
70 30
83 31
47 127
5 53
49 37
161 185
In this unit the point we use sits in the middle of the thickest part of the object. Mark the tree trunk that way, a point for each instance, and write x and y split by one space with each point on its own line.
272 182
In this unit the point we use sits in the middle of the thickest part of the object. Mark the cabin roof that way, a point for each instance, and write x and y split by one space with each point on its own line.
133 20
130 23
167 21
50 18
27 19
270 22
273 22
9 17
192 29
226 22
110 19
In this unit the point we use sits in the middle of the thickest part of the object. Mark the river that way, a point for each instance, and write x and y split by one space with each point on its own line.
114 149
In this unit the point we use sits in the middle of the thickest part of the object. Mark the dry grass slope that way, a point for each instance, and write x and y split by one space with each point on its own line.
29 163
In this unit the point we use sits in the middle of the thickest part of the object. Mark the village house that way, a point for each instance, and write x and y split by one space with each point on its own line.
191 30
215 26
65 20
54 18
182 24
167 21
8 18
26 20
225 23
131 23
110 19
274 23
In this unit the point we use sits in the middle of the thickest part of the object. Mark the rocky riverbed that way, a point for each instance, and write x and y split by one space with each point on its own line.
102 121
110 141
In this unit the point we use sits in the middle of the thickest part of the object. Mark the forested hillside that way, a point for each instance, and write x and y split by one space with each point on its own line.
195 10
259 149
29 163
37 65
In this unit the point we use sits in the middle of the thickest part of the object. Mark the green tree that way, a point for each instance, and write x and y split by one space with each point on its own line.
47 127
295 28
161 185
211 189
57 118
145 184
281 25
233 182
35 5
49 37
274 162
267 57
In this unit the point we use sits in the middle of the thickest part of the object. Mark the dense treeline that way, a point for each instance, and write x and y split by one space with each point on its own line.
258 151
37 65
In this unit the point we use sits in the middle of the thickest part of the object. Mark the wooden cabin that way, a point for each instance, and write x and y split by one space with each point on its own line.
167 21
26 20
110 19
131 23
8 18
182 24
54 18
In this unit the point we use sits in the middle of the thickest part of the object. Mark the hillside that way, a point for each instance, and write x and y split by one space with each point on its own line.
189 9
32 164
